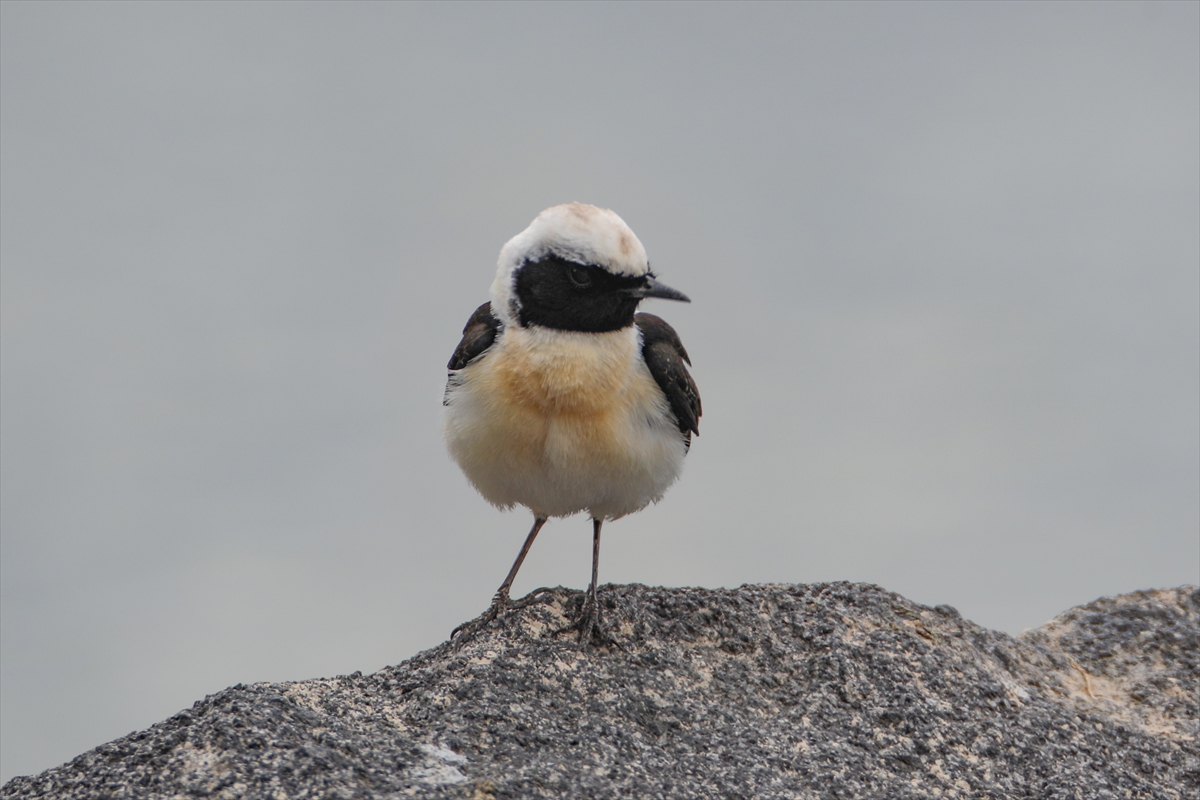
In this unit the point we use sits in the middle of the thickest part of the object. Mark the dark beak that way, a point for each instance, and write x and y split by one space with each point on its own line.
652 288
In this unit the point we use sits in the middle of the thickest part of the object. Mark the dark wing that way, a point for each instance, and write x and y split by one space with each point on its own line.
665 356
478 335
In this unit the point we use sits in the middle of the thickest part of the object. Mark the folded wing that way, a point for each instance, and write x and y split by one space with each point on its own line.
478 335
667 359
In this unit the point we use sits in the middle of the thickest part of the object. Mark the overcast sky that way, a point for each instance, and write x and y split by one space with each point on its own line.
945 270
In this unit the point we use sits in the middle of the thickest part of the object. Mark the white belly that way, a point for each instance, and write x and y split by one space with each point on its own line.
562 422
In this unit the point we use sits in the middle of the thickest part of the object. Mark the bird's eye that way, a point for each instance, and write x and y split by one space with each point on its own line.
580 276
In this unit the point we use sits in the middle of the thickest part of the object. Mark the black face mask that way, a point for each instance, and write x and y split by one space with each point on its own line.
560 294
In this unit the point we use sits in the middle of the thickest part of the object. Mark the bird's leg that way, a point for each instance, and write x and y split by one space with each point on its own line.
590 623
501 597
596 523
500 601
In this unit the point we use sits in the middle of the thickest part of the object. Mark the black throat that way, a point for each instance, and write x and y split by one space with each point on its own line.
560 294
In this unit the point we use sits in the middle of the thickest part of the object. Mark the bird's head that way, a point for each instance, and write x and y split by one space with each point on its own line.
576 268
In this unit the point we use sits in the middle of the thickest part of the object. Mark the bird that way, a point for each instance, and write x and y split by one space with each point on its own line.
561 397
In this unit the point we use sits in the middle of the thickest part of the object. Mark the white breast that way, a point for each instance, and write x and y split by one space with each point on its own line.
563 422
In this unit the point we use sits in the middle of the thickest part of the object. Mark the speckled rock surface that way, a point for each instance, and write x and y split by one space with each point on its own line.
820 691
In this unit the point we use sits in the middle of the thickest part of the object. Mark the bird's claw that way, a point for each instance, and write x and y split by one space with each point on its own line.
589 626
501 603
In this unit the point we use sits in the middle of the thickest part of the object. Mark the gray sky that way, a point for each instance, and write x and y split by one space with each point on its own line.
945 265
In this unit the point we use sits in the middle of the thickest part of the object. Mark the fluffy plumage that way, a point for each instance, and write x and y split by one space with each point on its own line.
562 422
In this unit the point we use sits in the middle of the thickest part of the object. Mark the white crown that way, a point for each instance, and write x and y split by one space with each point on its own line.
575 232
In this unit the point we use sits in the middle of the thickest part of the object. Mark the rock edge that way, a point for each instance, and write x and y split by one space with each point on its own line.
832 690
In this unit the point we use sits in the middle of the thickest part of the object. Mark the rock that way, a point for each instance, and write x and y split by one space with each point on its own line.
823 691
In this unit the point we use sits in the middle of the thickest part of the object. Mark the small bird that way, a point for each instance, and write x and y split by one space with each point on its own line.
561 397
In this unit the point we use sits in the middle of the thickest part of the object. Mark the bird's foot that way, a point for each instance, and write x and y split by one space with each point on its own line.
589 625
468 629
500 604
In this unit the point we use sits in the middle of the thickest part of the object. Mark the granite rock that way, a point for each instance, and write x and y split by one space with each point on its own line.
817 691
